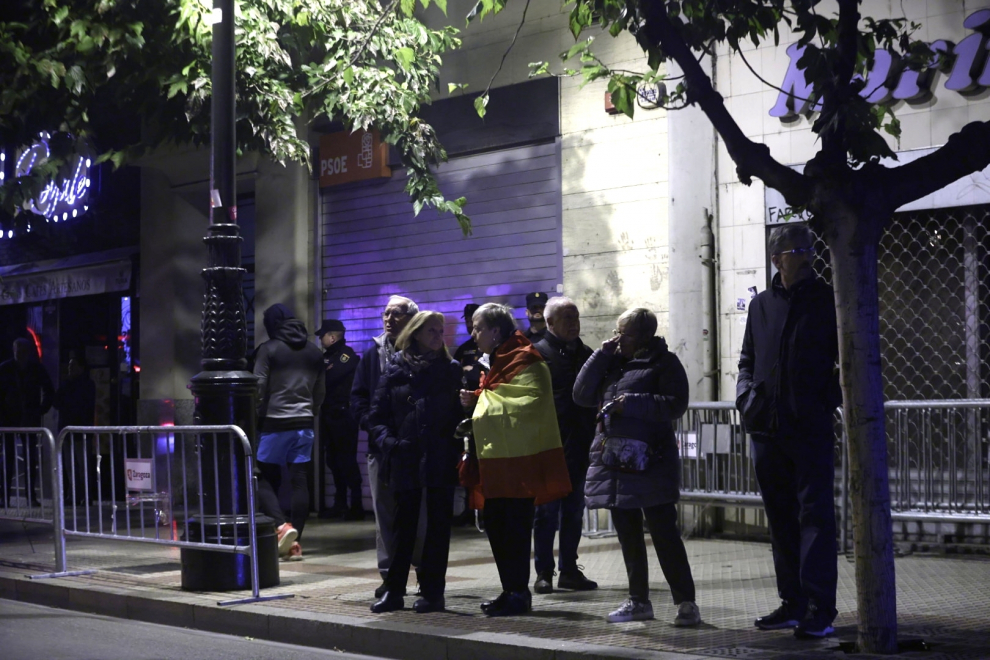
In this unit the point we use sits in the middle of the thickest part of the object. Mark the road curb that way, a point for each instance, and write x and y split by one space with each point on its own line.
365 636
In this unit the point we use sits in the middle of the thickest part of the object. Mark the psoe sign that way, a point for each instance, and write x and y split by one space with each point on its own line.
352 156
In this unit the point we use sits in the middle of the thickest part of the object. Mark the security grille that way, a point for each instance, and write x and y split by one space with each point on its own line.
934 297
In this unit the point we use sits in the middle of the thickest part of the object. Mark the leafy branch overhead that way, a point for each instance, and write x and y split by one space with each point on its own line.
363 63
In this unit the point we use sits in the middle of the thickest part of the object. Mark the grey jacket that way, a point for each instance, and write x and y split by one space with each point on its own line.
656 395
291 386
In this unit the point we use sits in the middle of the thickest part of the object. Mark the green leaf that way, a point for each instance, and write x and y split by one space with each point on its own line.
408 7
453 87
349 75
405 56
480 105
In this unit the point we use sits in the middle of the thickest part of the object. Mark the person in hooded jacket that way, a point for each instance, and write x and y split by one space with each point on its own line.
290 391
646 390
413 415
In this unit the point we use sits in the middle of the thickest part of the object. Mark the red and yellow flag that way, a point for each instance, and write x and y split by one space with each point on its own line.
515 427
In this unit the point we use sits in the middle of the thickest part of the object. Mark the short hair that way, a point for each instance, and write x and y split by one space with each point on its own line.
496 315
789 234
556 303
405 339
642 320
411 307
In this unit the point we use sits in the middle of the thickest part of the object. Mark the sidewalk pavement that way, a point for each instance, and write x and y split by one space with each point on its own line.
943 601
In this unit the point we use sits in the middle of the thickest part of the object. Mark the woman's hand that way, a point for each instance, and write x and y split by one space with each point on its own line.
468 399
618 404
610 346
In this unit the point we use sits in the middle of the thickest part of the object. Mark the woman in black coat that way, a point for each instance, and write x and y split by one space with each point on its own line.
413 415
642 389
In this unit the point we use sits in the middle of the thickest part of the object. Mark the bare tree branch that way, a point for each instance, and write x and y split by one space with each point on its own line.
507 50
374 29
966 152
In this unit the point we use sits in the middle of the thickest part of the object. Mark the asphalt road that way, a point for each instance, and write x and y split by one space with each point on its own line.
33 632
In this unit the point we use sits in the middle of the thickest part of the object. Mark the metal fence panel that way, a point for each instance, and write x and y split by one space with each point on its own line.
25 467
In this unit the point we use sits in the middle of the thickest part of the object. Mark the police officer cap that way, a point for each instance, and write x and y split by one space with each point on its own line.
537 299
330 325
470 309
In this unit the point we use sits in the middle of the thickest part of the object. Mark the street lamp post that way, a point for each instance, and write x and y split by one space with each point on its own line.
224 392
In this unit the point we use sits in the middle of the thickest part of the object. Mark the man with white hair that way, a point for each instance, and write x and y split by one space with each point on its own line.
565 354
395 316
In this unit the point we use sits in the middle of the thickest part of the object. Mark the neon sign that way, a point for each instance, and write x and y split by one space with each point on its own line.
57 202
888 80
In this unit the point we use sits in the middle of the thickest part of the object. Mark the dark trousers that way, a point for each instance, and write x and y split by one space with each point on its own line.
509 524
662 523
339 441
432 569
565 514
797 481
271 481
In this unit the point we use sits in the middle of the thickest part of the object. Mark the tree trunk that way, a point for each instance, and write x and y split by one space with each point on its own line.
853 248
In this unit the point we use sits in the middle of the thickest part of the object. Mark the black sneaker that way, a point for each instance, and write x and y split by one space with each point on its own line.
785 616
544 583
515 603
575 580
817 625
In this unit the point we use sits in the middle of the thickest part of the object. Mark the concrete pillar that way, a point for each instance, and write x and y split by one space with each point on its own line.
693 324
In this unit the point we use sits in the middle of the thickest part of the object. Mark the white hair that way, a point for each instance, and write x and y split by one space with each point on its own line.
556 303
402 301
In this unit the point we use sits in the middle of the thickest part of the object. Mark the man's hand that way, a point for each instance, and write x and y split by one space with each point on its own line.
468 399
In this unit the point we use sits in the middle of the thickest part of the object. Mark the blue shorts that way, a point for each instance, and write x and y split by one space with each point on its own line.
284 447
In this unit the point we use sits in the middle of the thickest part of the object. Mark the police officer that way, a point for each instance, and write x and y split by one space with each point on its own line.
338 428
535 304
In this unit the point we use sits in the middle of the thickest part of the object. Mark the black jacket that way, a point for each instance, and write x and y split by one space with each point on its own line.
470 358
373 362
25 394
290 379
340 363
412 421
656 396
788 381
75 401
576 423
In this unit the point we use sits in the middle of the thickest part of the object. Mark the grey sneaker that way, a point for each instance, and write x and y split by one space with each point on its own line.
687 614
631 610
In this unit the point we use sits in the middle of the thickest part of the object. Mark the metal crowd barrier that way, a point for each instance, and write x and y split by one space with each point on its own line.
25 484
141 484
939 462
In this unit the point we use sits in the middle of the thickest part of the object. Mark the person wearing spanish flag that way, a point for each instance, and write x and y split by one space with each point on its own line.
520 456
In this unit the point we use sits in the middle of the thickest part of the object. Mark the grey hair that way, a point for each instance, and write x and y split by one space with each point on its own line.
789 234
496 315
641 320
556 303
402 301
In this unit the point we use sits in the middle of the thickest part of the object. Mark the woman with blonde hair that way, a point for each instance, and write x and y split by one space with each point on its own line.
413 416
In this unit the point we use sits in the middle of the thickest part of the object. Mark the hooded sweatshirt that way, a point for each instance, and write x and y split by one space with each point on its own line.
290 374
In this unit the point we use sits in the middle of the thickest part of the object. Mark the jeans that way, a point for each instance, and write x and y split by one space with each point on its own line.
662 522
797 481
567 515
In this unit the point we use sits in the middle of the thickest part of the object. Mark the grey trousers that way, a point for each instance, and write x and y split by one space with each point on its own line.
383 501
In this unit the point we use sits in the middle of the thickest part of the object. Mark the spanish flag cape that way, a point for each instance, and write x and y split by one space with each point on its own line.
515 427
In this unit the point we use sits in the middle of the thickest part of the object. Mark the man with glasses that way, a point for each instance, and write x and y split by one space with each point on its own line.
396 315
786 393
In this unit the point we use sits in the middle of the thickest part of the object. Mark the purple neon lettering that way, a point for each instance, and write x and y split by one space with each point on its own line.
796 90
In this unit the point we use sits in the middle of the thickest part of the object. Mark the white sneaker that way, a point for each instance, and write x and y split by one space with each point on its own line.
687 614
631 610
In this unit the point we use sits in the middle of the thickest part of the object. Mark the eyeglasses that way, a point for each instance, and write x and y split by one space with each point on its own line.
800 252
394 316
617 333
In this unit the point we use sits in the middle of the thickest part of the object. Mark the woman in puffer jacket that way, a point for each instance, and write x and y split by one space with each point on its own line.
641 390
413 415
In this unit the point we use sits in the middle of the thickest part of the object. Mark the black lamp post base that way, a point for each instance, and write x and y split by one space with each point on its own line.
206 570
